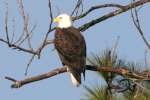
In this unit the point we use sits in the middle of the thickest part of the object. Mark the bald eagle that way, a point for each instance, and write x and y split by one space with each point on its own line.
71 47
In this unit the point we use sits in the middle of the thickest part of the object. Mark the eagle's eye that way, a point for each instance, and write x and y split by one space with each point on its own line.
60 17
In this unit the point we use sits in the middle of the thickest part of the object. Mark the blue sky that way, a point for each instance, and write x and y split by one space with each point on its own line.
102 35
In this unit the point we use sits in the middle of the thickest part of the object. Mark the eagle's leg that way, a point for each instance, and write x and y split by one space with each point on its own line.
73 78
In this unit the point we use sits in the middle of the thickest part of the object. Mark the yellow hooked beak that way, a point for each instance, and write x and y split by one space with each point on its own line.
57 20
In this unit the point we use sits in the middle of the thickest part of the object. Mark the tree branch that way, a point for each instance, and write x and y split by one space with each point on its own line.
112 14
18 47
135 19
96 8
20 83
78 7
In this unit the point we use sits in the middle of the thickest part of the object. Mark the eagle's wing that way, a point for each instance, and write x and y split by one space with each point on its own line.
70 44
72 50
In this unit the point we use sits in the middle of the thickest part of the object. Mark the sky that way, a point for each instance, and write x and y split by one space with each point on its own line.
101 36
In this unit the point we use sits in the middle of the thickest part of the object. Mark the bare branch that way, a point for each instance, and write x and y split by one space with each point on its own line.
28 36
45 42
30 61
6 24
38 53
50 14
18 47
96 8
135 19
22 13
13 32
11 79
48 32
112 14
10 42
51 21
26 23
77 8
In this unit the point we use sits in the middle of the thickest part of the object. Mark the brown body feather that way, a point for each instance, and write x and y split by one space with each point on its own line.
71 48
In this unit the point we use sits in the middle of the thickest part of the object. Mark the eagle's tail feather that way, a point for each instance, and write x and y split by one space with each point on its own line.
75 78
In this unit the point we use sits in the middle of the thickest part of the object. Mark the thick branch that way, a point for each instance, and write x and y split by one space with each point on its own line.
112 14
57 71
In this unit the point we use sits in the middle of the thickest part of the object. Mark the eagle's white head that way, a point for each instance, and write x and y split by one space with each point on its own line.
63 21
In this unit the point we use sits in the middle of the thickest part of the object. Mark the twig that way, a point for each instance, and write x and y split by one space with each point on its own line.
145 57
22 13
30 61
26 23
6 24
33 56
77 8
13 32
44 43
29 35
18 47
49 30
11 79
50 14
51 20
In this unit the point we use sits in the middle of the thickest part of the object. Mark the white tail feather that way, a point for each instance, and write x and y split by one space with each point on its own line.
74 81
